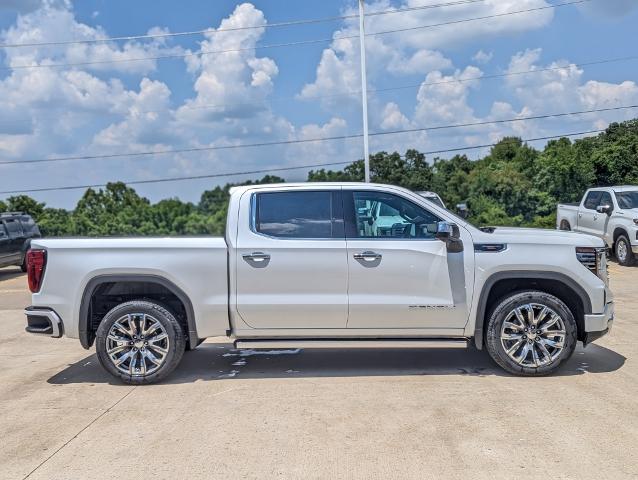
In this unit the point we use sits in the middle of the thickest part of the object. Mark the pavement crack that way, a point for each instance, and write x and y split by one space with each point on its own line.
78 433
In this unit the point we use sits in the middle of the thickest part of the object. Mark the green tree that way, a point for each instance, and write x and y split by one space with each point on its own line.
26 204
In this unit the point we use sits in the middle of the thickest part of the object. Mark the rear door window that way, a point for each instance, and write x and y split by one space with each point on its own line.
591 202
14 228
301 215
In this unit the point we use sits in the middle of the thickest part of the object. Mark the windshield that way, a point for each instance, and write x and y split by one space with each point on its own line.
627 200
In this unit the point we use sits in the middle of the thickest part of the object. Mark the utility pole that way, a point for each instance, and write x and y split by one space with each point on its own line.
364 89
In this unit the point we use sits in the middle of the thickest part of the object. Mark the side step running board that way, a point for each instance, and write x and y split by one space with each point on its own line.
349 343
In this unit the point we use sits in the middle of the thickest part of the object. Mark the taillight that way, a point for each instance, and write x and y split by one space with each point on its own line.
36 263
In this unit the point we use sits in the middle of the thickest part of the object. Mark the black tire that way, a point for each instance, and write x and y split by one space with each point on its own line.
23 265
174 332
502 312
628 259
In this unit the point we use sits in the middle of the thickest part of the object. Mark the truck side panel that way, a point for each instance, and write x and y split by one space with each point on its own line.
197 266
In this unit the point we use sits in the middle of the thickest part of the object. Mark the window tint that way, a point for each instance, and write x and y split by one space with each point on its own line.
605 199
378 214
591 202
14 228
295 214
627 200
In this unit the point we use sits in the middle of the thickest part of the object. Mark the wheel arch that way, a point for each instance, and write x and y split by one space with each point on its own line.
558 284
87 334
618 231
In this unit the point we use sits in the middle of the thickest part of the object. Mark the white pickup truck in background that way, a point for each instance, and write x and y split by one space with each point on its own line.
329 265
610 213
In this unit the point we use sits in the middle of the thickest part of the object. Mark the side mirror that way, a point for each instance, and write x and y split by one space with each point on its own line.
450 234
604 209
461 210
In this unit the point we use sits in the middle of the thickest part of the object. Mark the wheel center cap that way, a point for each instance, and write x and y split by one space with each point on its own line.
139 344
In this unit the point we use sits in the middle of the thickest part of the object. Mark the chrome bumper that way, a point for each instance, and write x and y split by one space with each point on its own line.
43 322
602 321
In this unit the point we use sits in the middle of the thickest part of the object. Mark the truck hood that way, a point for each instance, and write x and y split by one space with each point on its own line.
538 236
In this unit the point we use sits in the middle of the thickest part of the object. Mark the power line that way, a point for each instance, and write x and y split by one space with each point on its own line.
410 86
290 23
272 170
312 140
285 44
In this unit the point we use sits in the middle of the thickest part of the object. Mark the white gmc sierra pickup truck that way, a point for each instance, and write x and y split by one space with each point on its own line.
318 265
610 213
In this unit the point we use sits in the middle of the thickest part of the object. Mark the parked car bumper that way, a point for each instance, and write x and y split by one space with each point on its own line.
43 321
598 325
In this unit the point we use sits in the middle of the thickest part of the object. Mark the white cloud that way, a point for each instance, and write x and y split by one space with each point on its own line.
422 61
55 21
393 119
441 99
413 51
483 57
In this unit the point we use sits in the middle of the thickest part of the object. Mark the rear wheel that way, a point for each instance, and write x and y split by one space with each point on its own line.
623 252
531 333
140 342
564 225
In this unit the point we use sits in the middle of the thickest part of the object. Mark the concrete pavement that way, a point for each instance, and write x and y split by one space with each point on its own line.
317 414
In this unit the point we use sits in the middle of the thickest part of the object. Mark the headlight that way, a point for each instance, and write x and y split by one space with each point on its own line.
595 259
636 221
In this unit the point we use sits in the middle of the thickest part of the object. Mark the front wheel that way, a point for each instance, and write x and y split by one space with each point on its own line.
531 333
623 252
140 342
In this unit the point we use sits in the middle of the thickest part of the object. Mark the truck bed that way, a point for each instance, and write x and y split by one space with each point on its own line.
196 265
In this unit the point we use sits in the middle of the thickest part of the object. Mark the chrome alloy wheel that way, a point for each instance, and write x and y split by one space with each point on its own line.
533 335
137 344
622 251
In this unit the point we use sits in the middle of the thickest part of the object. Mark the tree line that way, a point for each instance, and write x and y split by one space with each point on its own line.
514 185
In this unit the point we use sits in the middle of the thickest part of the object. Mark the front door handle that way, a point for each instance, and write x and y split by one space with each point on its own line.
367 256
256 257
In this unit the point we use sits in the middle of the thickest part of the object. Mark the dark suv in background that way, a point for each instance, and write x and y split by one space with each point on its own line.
16 231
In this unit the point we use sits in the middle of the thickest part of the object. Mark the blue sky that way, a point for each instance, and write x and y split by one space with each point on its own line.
268 95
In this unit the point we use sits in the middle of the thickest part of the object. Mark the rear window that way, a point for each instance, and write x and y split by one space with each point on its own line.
294 214
591 202
28 224
14 228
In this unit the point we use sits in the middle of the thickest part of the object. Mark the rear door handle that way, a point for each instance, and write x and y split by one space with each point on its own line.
367 256
256 257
